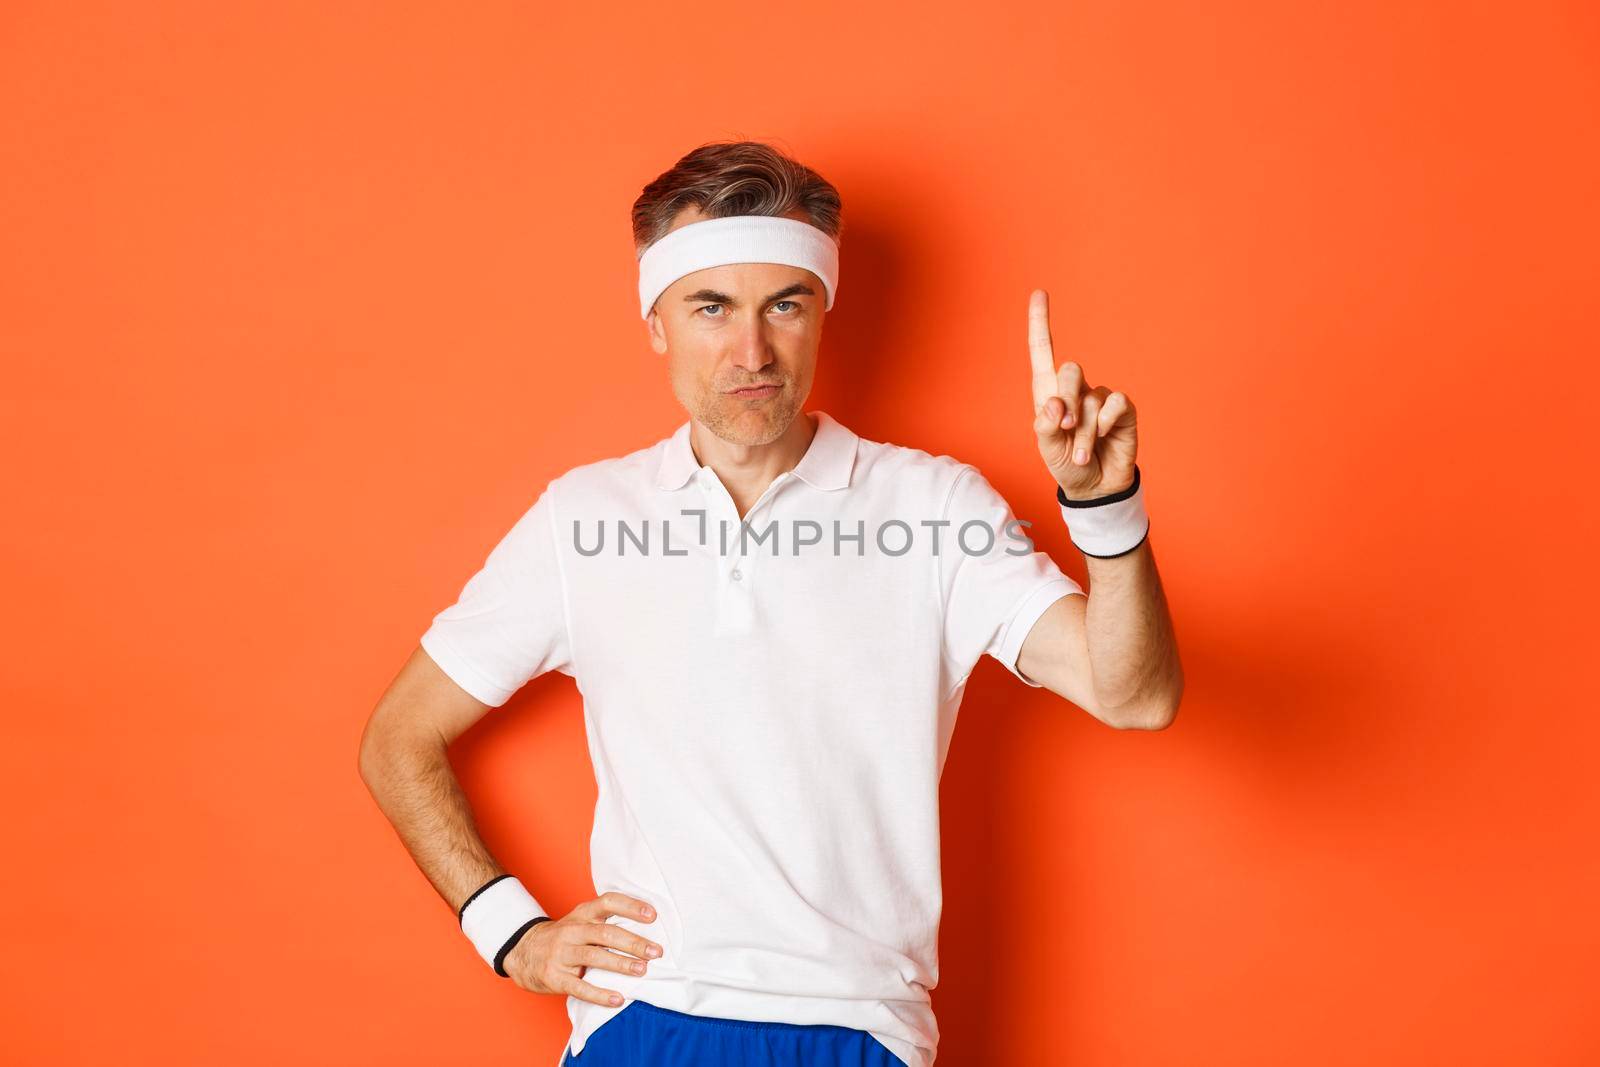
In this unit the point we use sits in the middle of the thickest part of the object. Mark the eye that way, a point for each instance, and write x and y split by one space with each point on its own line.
790 302
710 306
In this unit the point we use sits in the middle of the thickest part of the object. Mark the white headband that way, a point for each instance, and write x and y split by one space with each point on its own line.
737 239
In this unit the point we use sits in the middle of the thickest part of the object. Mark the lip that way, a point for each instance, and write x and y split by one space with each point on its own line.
755 393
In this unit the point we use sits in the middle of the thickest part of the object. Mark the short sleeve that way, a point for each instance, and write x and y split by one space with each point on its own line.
509 624
995 584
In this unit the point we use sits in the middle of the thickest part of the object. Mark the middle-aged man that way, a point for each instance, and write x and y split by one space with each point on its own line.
772 621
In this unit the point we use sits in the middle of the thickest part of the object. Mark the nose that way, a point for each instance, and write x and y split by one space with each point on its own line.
751 350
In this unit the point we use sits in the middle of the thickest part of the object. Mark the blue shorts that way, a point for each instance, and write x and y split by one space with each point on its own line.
643 1035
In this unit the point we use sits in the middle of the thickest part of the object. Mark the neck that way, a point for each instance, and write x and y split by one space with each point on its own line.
747 470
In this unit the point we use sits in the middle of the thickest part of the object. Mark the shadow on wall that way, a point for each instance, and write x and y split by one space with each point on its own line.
1290 716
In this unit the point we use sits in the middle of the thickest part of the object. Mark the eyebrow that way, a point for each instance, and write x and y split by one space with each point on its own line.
716 297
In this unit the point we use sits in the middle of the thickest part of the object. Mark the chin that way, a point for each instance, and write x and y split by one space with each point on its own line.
751 422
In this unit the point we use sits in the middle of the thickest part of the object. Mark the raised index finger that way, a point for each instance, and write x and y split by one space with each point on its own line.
1040 353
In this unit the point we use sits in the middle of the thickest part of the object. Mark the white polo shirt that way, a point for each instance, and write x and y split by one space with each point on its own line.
768 722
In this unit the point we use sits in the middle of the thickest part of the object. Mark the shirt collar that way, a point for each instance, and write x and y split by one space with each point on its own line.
827 464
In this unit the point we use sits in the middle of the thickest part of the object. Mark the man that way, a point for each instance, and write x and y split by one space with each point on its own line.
772 621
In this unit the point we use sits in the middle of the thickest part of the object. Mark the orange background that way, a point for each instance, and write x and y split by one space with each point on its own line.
301 303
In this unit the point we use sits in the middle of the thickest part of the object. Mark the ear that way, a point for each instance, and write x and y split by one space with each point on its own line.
658 336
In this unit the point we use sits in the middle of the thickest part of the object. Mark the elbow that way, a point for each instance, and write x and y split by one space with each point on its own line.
370 750
390 749
369 760
1155 712
1157 718
378 755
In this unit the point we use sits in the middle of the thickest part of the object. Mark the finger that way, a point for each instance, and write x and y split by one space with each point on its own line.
619 904
1117 408
594 956
577 987
1047 420
596 908
618 938
1083 439
1055 444
1041 354
1069 386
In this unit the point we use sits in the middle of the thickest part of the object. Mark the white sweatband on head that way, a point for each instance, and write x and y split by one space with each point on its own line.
737 239
1107 526
495 917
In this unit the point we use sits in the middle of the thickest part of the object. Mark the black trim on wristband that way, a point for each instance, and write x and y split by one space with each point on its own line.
1061 497
461 912
1124 552
511 943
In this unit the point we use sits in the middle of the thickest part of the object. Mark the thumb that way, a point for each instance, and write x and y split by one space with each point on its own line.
1047 420
1055 444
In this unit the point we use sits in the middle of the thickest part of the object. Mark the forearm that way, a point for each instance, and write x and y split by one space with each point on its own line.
418 791
1133 653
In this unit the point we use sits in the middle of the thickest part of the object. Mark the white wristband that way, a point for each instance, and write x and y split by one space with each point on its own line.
1107 526
495 917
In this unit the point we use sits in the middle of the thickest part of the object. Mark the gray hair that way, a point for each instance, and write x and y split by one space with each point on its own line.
725 178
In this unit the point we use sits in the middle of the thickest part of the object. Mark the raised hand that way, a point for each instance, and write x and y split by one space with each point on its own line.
1087 434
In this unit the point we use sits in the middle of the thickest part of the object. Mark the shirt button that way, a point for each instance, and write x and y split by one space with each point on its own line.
736 575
